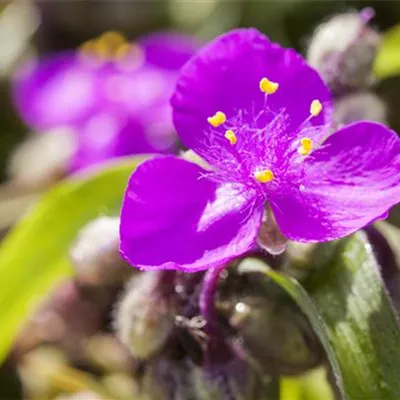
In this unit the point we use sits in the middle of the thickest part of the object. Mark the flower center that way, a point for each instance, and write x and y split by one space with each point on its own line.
111 46
252 151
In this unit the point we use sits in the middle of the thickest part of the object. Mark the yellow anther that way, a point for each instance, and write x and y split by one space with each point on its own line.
112 39
101 50
129 56
124 50
111 46
268 87
315 108
217 119
230 135
89 52
88 47
264 176
306 146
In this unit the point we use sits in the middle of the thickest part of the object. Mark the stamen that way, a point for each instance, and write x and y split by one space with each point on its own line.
217 119
315 108
89 52
306 146
86 47
268 87
123 51
112 39
264 176
110 46
129 57
101 50
230 135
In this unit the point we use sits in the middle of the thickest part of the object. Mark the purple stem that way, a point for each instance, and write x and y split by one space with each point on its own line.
216 353
207 296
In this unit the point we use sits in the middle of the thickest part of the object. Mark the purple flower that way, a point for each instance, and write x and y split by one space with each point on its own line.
114 95
259 116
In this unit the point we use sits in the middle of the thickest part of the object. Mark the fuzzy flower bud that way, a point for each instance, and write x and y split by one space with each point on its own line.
343 50
85 395
37 368
270 334
66 318
105 351
181 379
359 106
42 159
95 255
144 317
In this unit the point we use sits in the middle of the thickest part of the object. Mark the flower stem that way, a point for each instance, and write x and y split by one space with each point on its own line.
216 352
207 297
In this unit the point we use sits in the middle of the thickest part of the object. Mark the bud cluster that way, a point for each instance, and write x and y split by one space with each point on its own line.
158 319
162 342
343 50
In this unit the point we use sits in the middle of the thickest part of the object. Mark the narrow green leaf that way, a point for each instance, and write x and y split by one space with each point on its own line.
315 385
350 311
34 256
387 62
363 327
290 388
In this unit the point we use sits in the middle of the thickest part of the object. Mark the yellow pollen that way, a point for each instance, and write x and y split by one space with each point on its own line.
101 50
306 146
111 46
268 87
264 176
217 119
230 135
315 108
123 51
112 39
87 47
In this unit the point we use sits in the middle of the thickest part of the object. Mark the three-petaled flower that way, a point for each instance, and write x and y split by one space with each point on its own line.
260 117
113 95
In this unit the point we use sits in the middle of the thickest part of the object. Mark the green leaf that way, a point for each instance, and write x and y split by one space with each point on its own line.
315 385
312 385
34 256
387 61
351 313
290 388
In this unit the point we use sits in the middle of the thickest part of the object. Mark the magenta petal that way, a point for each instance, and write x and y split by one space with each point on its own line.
175 218
54 92
108 134
349 182
225 74
167 49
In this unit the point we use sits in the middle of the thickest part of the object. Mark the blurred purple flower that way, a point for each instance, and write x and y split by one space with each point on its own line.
113 94
260 117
